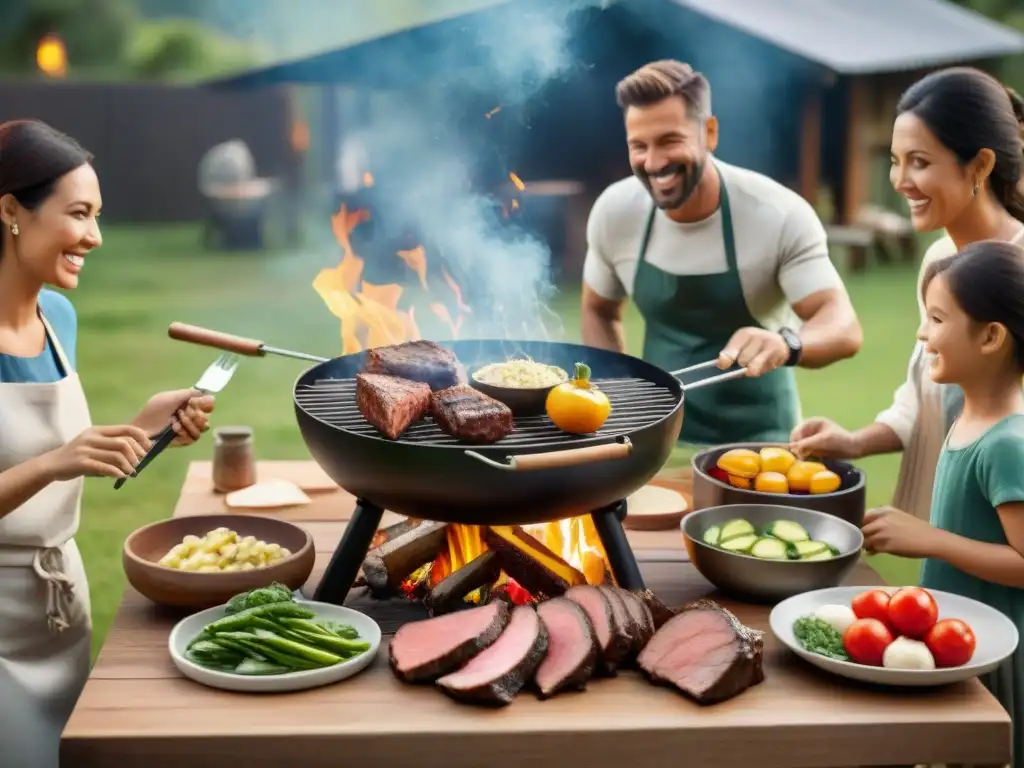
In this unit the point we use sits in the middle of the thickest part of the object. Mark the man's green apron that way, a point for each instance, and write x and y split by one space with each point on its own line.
689 319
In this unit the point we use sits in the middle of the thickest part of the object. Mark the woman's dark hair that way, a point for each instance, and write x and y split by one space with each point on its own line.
987 280
33 158
969 110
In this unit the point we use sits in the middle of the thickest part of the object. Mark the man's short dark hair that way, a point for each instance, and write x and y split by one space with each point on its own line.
664 79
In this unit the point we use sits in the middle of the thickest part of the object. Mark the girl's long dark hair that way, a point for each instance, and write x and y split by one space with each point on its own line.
987 280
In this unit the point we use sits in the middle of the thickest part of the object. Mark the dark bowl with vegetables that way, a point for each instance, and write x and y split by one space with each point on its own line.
764 553
844 498
181 585
508 382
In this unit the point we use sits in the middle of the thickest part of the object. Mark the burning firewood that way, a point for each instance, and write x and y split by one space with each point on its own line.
386 567
479 572
384 535
530 563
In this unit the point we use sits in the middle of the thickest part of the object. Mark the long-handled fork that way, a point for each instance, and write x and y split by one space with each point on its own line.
213 380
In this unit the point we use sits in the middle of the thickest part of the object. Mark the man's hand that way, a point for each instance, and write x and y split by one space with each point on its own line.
756 349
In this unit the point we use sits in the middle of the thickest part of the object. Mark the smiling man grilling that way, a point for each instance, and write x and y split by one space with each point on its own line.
723 263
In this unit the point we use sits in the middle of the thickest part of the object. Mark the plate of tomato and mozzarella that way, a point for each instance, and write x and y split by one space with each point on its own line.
905 636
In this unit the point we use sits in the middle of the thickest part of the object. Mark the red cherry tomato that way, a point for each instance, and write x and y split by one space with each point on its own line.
865 641
951 642
912 612
873 604
719 474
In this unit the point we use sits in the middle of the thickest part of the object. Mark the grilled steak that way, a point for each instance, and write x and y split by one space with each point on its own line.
660 613
496 674
389 403
423 651
422 361
706 653
470 415
612 641
624 619
641 615
572 648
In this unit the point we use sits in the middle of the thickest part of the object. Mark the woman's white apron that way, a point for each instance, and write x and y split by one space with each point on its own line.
45 618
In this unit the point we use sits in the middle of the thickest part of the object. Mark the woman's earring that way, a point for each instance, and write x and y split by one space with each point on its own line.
14 228
974 192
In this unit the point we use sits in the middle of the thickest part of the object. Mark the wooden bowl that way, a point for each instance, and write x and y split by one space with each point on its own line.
187 589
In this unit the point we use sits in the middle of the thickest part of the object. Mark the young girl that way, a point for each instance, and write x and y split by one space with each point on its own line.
974 543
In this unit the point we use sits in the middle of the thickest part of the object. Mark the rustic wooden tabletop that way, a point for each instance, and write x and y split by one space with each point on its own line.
138 710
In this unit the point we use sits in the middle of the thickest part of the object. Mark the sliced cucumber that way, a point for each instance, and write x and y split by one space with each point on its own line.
734 528
810 547
741 543
769 549
826 555
712 535
788 531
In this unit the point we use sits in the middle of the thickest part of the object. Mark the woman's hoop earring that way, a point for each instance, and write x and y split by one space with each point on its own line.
14 228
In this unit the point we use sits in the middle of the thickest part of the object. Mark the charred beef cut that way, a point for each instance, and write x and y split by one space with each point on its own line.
572 648
624 619
422 361
496 674
423 651
706 653
641 615
612 641
389 403
471 416
660 613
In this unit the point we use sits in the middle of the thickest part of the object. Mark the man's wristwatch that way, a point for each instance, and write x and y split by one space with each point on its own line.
796 347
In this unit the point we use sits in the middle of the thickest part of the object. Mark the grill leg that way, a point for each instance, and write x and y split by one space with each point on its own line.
348 557
616 545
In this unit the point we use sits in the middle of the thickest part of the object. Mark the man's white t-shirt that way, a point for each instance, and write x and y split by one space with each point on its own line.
781 246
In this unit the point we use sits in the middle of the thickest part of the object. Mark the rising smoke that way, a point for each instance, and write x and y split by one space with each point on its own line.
423 161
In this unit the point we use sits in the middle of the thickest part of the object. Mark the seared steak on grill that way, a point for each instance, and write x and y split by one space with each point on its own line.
572 648
389 403
423 651
706 653
497 673
470 415
422 361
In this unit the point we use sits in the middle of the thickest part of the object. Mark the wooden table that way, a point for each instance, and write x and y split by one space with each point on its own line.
137 709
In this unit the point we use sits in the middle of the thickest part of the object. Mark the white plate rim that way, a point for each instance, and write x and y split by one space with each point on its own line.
294 680
923 674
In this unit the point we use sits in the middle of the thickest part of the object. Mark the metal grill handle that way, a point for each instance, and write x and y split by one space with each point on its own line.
529 462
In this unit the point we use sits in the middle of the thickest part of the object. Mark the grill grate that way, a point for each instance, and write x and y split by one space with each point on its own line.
636 403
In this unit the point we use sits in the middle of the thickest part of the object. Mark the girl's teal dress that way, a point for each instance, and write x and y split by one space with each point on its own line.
970 482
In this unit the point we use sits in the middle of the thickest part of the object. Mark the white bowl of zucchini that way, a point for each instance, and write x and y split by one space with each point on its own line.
267 641
768 552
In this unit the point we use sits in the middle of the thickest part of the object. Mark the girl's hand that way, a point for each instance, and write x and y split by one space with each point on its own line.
188 410
896 532
822 438
100 451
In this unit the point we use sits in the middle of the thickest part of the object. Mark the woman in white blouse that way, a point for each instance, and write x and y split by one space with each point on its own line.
958 158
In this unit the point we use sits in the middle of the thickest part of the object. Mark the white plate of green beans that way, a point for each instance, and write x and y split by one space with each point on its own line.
269 641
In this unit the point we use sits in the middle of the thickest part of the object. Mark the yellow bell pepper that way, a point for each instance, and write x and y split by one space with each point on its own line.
577 406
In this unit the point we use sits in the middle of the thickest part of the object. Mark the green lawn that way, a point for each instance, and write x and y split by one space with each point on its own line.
143 279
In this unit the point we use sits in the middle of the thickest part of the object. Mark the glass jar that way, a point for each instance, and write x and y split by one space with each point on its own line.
234 463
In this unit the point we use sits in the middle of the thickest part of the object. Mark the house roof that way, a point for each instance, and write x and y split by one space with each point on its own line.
868 36
849 37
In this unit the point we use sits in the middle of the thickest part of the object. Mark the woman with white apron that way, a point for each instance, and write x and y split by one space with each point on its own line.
49 200
960 175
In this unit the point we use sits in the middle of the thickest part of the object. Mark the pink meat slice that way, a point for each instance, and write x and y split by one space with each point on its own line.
675 632
421 642
598 611
501 657
572 651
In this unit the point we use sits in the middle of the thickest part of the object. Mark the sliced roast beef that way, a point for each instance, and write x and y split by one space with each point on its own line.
496 674
641 616
706 653
612 640
422 361
660 613
572 648
389 403
423 651
470 415
624 620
